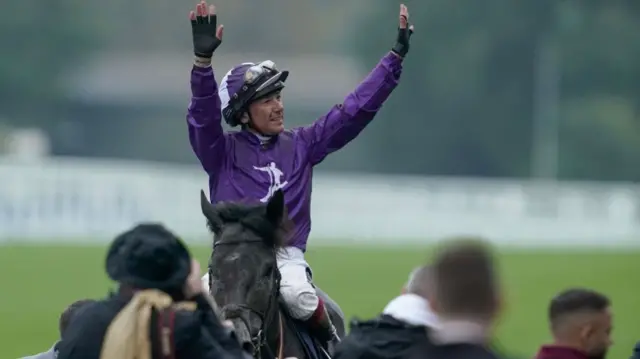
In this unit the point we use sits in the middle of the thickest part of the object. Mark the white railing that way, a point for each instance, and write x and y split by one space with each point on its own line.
91 201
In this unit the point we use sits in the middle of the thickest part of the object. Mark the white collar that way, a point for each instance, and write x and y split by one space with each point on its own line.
460 331
412 309
263 139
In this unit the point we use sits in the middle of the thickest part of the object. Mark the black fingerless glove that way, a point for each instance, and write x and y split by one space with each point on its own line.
402 42
205 41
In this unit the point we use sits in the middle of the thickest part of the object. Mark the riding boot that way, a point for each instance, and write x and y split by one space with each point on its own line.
322 327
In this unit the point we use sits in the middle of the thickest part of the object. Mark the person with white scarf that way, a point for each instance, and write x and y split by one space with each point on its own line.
400 331
412 306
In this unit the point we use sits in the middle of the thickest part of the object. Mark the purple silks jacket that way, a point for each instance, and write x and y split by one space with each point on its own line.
240 168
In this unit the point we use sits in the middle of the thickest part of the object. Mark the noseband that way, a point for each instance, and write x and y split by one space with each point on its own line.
235 311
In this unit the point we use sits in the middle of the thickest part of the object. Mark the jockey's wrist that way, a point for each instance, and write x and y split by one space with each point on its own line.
397 55
202 61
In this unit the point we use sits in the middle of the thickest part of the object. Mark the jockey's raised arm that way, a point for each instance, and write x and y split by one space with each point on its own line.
345 121
205 119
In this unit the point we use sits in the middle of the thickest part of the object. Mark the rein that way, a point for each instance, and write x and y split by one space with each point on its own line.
259 341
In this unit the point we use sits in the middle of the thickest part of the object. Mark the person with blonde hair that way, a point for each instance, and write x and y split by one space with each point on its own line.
159 311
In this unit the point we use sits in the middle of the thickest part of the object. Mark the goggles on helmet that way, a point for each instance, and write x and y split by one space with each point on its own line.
256 72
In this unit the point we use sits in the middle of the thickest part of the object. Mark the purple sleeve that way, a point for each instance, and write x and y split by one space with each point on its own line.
345 121
204 120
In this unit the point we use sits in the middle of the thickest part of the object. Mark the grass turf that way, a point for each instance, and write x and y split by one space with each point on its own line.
39 281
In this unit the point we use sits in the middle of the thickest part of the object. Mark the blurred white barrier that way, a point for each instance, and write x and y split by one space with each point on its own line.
89 200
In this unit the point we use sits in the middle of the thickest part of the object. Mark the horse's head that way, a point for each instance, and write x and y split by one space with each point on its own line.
243 275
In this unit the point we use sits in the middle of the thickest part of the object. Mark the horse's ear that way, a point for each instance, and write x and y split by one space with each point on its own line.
276 208
213 220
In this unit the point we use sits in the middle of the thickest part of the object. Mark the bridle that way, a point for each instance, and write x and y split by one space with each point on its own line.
234 311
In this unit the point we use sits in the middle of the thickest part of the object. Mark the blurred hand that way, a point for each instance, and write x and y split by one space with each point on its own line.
405 30
207 35
193 284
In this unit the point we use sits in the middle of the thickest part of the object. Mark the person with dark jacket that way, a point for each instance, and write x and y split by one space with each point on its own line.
400 329
581 324
159 310
384 337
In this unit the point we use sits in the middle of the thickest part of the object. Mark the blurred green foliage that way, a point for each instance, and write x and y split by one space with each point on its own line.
468 103
467 99
38 41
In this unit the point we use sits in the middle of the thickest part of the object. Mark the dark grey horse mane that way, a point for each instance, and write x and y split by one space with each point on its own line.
269 221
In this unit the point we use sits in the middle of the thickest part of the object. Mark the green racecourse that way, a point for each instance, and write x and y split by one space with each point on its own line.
38 282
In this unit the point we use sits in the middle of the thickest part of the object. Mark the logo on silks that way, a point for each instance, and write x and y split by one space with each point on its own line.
275 178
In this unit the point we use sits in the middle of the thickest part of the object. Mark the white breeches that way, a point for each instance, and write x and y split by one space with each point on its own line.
295 288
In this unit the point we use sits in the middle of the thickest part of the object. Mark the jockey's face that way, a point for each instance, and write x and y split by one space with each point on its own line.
267 114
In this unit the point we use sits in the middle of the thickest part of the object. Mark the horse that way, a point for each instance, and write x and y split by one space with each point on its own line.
245 282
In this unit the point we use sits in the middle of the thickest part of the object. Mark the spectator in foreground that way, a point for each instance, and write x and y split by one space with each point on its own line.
580 321
159 310
65 318
466 298
399 330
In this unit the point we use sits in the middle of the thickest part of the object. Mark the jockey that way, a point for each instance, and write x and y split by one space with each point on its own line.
263 157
